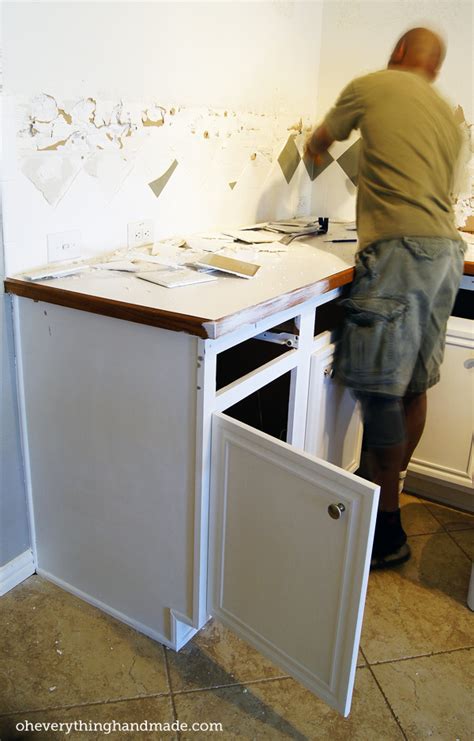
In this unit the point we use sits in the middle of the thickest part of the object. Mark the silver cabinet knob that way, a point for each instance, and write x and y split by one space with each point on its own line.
335 510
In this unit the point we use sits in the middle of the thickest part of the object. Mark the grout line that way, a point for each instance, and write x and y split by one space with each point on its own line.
363 654
85 704
243 683
420 656
388 703
459 546
168 675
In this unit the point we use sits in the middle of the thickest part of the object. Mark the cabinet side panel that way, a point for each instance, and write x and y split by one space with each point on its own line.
110 409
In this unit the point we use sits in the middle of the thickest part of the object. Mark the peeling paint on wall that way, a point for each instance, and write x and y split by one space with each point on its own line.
103 139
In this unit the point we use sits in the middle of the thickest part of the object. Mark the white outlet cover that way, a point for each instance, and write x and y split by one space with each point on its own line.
64 246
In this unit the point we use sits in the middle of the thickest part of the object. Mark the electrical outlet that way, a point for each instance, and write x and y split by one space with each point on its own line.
64 246
140 233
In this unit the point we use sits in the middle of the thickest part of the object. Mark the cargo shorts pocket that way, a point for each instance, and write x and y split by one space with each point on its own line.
371 346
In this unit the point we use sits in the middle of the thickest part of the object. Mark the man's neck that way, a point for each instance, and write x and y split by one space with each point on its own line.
414 70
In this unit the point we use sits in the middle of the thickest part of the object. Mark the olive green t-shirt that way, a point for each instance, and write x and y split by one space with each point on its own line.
409 149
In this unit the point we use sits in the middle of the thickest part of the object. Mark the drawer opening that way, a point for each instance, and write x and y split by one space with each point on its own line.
252 354
330 316
464 304
266 410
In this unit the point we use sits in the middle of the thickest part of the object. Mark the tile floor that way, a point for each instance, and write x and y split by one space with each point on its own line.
63 661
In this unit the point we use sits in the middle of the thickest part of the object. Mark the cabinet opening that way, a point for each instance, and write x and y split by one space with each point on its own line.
464 304
246 357
266 409
330 316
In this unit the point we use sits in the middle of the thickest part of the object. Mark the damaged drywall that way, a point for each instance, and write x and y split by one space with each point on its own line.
59 139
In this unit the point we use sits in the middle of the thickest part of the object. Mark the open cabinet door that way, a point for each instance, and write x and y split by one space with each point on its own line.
285 575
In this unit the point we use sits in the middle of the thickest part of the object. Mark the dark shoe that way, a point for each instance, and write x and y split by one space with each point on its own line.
390 541
391 559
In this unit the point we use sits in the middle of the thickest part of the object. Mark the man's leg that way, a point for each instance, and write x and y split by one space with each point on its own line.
415 418
387 462
386 436
385 466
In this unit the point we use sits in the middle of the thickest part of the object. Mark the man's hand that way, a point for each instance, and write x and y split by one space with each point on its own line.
317 143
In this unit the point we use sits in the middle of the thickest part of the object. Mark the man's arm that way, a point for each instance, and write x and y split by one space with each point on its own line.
317 143
338 123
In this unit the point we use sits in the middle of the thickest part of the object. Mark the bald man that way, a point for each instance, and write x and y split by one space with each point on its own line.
409 263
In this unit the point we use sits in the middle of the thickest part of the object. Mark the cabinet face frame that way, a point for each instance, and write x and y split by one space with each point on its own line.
320 388
297 362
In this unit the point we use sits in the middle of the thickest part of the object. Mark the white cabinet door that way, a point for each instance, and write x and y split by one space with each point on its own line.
333 422
445 451
283 574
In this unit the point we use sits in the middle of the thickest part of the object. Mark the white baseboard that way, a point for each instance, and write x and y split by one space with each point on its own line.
436 491
16 571
145 629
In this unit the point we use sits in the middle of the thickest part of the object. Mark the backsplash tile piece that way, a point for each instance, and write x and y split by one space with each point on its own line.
158 184
349 161
289 159
314 170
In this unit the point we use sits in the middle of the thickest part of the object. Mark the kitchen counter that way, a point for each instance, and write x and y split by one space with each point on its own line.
209 310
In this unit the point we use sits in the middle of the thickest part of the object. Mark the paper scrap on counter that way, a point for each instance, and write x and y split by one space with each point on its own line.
125 266
49 273
256 236
176 278
272 247
155 260
241 268
172 242
208 244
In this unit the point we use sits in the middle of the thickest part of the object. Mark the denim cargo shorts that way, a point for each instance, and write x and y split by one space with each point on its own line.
396 315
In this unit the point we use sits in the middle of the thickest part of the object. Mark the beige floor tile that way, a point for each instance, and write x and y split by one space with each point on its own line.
216 657
282 709
82 722
57 650
431 696
465 540
416 518
451 519
420 607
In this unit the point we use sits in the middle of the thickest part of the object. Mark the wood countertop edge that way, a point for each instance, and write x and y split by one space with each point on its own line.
469 268
198 326
218 327
108 307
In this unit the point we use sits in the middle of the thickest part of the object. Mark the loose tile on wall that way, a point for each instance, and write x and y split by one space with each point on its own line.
431 696
349 161
283 708
289 159
313 169
50 641
158 184
420 607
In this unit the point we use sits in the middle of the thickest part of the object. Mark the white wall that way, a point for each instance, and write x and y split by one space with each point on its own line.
358 37
14 533
232 78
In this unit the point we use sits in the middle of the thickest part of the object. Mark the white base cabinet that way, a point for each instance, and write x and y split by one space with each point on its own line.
442 464
334 427
150 502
